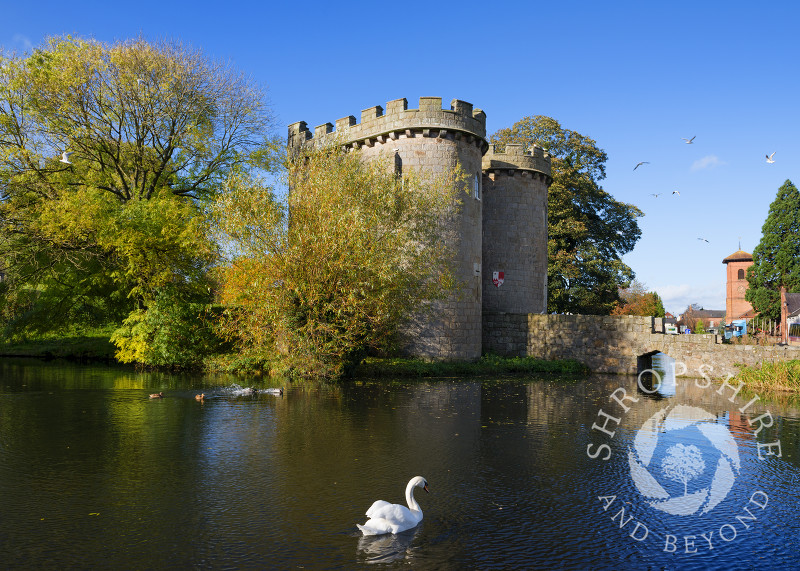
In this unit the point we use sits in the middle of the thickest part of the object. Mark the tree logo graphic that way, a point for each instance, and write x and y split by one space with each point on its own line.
683 463
683 441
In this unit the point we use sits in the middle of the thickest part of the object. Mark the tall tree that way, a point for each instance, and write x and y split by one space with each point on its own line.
108 155
588 230
776 259
636 300
336 267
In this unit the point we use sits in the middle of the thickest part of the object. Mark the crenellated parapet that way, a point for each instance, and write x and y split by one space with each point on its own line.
534 160
460 122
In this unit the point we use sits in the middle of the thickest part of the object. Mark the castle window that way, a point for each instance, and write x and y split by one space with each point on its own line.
476 186
740 275
398 168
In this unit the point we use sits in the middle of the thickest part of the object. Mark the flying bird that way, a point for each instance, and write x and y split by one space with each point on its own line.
770 159
640 164
703 239
656 195
688 141
65 157
676 192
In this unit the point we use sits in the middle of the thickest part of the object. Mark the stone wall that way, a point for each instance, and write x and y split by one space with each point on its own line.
614 344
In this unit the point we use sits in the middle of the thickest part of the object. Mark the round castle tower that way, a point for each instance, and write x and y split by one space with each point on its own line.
515 230
434 139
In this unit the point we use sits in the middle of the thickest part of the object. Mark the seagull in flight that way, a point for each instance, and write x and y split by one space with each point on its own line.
65 157
688 141
678 192
770 159
656 195
704 240
640 164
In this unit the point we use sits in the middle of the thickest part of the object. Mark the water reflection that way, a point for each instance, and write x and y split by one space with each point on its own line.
657 377
280 482
388 548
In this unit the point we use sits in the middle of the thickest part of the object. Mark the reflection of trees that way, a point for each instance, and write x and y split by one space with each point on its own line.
498 455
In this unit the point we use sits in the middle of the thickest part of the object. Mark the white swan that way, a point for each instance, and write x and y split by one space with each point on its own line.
394 518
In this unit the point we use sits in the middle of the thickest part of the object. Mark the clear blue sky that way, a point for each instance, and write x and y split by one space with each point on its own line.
635 76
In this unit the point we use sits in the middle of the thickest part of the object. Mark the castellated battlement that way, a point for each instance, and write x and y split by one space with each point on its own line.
397 121
514 158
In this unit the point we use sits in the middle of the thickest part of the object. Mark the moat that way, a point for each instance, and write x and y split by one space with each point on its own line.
94 474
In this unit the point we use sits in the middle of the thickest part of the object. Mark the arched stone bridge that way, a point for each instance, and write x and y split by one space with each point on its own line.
619 343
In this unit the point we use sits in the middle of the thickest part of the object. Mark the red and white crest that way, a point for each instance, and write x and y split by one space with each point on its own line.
498 277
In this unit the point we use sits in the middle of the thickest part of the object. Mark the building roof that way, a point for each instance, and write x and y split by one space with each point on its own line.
719 313
749 314
792 304
738 256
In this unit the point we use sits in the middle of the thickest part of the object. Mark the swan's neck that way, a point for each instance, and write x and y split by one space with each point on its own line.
412 503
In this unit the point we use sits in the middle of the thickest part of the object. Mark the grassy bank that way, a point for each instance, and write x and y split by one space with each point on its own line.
782 376
486 365
85 345
94 345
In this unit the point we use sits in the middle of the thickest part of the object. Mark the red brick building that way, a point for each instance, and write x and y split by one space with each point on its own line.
736 307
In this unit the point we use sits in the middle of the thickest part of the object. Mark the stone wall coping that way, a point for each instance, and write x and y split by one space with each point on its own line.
514 158
429 120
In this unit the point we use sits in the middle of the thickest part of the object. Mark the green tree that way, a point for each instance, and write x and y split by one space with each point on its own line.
588 230
776 259
336 267
175 331
109 155
636 300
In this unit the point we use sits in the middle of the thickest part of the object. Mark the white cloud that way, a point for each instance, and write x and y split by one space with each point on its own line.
707 162
22 43
676 298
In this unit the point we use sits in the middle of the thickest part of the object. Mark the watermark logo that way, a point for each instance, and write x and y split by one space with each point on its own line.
674 476
683 462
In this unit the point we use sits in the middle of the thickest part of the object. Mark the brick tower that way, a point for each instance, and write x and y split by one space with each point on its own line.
735 304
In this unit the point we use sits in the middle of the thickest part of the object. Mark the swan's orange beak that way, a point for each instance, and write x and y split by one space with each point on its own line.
425 487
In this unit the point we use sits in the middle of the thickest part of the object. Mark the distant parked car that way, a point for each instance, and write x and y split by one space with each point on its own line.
737 328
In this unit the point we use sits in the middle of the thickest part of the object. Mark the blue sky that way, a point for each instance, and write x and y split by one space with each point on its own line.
635 76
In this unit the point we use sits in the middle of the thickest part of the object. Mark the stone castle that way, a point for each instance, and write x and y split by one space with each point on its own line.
501 227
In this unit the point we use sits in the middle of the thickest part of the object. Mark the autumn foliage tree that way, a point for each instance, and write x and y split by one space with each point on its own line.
636 300
336 266
109 156
588 229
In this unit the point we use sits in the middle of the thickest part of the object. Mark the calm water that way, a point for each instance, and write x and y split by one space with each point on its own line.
94 474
